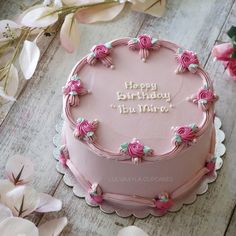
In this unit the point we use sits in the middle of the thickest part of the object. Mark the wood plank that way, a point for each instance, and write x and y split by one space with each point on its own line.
210 214
231 229
30 126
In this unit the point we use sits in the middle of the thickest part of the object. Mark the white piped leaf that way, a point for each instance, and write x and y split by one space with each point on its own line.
52 227
19 169
16 226
29 58
48 203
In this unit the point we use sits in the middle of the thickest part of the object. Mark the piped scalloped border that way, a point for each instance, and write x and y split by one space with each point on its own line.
106 207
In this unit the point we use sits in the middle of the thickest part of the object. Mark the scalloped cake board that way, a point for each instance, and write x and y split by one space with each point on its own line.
106 207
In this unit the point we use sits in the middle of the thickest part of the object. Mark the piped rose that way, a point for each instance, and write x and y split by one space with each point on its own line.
101 52
205 98
74 88
85 129
163 202
95 193
210 165
136 150
185 135
144 43
187 60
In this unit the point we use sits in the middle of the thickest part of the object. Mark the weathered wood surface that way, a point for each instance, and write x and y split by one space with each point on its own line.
28 125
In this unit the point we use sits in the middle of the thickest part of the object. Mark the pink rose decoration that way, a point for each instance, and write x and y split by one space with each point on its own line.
187 60
64 155
163 202
205 98
74 88
210 166
101 53
135 149
85 129
185 135
95 193
144 43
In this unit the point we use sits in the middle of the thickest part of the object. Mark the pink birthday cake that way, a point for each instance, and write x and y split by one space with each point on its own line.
138 130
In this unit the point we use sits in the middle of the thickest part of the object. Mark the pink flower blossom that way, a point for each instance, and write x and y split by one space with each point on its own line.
74 86
96 193
186 58
144 41
231 69
210 166
206 94
222 52
164 202
135 149
100 51
185 134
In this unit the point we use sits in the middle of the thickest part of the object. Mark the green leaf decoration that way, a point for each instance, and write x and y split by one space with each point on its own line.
108 45
75 77
194 126
146 149
73 93
178 139
154 40
90 134
80 119
179 50
124 147
135 40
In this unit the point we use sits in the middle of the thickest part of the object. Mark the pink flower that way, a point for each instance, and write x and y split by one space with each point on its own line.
186 58
85 129
163 202
144 41
135 149
222 52
185 134
231 69
95 193
206 94
100 51
210 166
74 86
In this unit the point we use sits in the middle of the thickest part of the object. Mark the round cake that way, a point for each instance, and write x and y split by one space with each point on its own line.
138 130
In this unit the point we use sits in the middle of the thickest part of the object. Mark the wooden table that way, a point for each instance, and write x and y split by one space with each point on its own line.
28 125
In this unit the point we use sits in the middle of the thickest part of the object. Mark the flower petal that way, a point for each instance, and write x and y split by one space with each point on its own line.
103 12
12 83
13 226
5 212
80 2
153 7
48 203
40 17
52 227
69 34
131 231
22 200
5 186
29 58
19 169
222 51
8 30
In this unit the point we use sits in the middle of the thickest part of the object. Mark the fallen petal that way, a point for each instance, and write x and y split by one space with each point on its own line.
103 12
15 226
5 96
52 227
5 186
40 17
22 200
29 58
131 231
5 212
19 169
48 203
69 34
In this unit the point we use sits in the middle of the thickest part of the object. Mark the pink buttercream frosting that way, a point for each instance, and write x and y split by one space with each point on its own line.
85 129
205 98
163 202
144 41
187 60
185 134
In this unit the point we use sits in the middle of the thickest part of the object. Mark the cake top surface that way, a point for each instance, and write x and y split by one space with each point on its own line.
140 97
